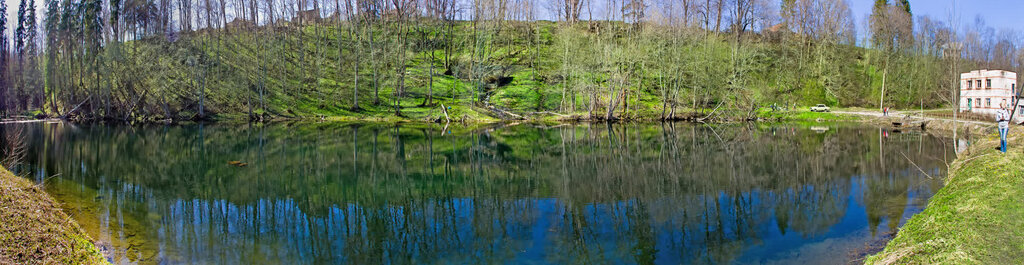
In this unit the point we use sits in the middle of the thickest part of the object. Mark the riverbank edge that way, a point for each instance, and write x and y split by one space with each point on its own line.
978 215
36 231
909 123
550 117
482 117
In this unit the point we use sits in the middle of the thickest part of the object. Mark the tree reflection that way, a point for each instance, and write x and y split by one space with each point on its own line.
367 193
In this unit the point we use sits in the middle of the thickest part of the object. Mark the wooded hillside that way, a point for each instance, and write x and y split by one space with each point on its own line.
483 59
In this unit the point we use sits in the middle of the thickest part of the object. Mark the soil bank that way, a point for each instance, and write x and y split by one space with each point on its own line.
34 229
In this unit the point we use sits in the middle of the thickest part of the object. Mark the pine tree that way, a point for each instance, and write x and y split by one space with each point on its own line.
31 32
19 32
52 24
881 38
92 32
3 58
52 28
905 4
881 4
31 71
19 95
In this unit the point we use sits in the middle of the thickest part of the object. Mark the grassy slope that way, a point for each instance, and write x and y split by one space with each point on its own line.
978 217
804 115
35 230
306 80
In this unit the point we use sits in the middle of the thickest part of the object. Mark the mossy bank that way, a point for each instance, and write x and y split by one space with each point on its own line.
977 218
36 231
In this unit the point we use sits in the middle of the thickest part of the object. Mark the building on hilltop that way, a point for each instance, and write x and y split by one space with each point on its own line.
981 91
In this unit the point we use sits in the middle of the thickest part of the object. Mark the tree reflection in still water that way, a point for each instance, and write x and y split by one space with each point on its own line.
592 193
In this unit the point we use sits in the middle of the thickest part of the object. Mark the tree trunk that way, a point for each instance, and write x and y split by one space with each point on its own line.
881 100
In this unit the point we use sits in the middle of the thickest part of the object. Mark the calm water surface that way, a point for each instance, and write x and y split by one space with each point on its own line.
525 194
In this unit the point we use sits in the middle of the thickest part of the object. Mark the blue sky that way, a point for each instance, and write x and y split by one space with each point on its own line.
999 14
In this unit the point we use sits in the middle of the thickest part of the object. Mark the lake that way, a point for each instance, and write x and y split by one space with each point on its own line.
360 193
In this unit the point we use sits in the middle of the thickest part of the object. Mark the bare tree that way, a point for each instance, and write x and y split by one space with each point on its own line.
569 10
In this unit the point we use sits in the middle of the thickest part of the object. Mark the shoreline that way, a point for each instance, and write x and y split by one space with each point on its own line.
474 115
36 230
975 218
548 117
893 252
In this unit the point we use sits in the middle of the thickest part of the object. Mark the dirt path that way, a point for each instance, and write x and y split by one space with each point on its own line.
911 114
28 121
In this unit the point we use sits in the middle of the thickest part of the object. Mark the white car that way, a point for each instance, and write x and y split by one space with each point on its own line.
821 108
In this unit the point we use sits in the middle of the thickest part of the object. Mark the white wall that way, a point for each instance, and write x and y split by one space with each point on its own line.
986 99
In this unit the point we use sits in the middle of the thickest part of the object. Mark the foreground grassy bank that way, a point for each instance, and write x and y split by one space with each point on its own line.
977 218
36 231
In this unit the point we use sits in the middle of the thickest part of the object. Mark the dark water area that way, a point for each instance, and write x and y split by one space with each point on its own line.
524 194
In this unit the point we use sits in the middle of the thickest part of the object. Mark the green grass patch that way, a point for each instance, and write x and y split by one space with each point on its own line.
977 218
805 115
303 70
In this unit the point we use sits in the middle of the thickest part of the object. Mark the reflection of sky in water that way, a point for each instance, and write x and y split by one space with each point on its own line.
962 145
832 247
805 196
207 231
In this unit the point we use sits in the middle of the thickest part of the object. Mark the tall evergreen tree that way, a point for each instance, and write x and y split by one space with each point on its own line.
31 32
52 29
3 58
881 36
31 71
19 95
881 4
91 29
905 4
19 32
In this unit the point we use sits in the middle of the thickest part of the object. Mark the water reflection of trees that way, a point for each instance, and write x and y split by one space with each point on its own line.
573 194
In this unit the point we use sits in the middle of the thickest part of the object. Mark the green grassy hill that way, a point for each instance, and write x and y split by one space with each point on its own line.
486 71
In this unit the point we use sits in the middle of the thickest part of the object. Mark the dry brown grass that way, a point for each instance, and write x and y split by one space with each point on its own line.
34 230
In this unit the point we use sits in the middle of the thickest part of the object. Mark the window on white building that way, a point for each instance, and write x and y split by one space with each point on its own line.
988 102
979 84
977 102
970 84
988 83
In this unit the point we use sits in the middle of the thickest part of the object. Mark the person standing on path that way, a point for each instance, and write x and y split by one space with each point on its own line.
1003 118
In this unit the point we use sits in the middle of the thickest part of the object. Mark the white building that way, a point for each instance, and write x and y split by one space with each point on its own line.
982 91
